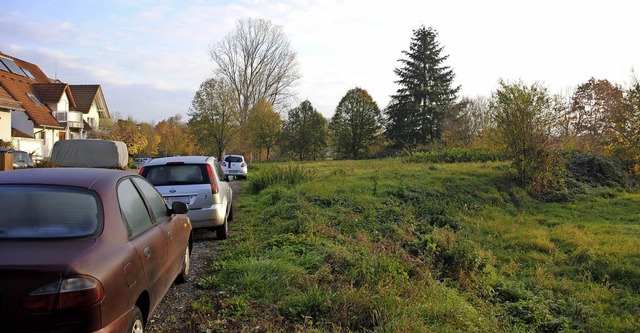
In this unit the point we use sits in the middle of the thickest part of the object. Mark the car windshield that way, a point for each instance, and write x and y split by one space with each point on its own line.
180 174
47 212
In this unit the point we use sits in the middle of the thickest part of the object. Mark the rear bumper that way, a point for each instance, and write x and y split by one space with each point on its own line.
72 320
238 173
207 217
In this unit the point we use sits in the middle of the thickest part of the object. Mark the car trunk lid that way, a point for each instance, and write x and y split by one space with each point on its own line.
26 265
195 196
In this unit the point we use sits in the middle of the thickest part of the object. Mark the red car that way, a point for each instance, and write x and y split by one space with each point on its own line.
86 250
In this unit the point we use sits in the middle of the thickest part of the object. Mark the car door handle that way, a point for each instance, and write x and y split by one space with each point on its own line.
147 252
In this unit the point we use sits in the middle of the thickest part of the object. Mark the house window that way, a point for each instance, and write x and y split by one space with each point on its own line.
91 121
34 99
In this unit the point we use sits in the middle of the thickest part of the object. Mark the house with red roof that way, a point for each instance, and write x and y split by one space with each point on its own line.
42 110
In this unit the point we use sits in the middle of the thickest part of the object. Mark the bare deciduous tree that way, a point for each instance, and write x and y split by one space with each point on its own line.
257 61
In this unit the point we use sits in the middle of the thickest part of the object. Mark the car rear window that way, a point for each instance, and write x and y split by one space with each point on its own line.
233 159
48 212
179 174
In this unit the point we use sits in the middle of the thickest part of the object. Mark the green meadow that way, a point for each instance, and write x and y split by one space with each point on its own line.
397 246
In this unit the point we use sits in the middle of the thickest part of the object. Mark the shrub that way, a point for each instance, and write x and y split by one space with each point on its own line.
597 170
6 144
451 257
45 163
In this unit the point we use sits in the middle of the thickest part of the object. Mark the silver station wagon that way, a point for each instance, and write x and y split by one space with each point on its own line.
197 181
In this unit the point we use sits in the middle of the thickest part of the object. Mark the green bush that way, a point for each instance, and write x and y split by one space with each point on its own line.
451 257
597 170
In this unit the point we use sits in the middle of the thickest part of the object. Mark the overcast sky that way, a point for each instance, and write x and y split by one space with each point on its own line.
150 56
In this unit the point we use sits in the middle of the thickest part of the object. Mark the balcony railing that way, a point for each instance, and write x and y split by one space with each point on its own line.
71 119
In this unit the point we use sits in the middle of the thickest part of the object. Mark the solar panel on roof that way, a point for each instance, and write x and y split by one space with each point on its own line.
12 66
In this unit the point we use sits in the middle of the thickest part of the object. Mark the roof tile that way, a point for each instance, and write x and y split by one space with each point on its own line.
84 96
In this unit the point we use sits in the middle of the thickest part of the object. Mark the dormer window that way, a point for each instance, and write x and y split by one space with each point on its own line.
34 99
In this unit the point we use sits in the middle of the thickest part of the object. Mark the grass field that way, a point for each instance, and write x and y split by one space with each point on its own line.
392 246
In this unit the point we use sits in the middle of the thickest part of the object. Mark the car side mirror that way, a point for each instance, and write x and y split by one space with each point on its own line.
179 208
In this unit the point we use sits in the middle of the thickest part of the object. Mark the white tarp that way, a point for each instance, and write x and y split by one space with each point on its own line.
90 153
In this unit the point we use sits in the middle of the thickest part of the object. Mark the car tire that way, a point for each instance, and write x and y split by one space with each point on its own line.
222 232
137 322
186 267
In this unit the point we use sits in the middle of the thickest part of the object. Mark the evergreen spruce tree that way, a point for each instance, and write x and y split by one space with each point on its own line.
416 113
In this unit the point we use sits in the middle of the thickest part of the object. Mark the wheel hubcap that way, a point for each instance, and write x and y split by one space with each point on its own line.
137 327
187 262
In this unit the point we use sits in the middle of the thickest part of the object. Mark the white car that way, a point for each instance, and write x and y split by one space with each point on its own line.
197 181
140 161
234 165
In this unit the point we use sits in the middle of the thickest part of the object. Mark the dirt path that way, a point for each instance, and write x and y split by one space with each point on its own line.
172 315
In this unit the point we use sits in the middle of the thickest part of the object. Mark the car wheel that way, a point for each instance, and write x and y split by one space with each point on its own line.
222 232
186 266
137 322
230 217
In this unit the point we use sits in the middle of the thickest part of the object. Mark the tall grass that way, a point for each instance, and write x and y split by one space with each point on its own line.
385 246
455 155
289 175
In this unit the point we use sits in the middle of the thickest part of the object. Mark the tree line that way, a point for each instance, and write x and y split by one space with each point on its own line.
246 107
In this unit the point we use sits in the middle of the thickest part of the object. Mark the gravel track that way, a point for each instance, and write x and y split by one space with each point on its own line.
172 314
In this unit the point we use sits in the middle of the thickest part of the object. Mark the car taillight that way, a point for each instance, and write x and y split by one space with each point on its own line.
66 294
141 171
213 178
223 164
243 165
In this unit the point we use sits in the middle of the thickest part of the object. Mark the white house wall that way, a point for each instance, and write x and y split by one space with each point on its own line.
92 114
49 136
34 147
5 125
63 104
